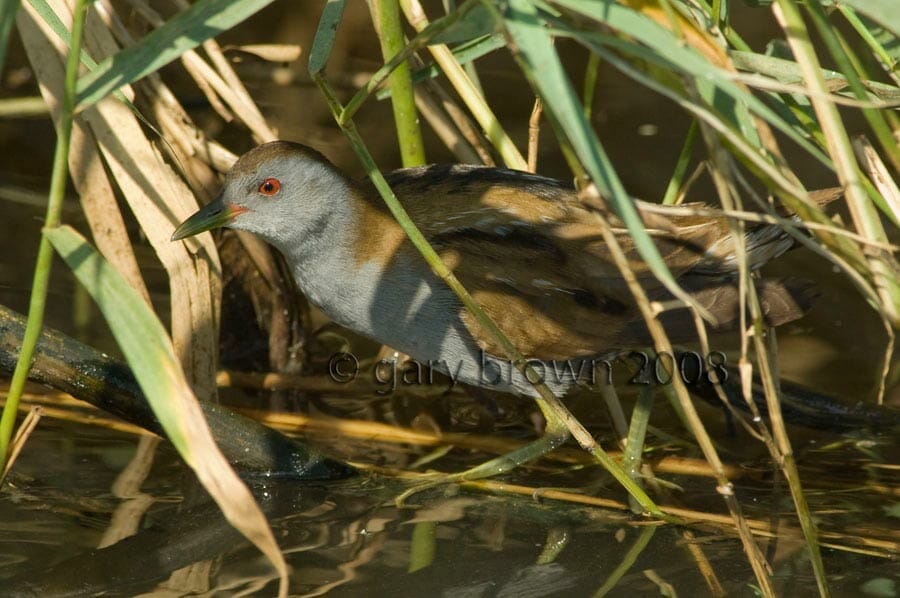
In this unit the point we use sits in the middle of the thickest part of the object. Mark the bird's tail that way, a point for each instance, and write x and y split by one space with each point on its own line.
782 300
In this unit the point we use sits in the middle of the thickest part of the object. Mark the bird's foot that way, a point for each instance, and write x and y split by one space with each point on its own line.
426 482
496 466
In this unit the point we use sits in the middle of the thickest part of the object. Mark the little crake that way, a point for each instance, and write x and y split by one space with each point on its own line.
525 247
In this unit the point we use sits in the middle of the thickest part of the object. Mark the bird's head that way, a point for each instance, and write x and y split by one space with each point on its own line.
279 190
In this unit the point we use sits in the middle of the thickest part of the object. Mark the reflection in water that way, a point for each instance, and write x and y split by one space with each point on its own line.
348 538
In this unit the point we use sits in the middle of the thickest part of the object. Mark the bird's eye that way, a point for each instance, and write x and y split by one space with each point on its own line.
270 187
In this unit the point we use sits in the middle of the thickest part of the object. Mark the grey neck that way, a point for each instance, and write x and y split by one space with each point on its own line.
323 264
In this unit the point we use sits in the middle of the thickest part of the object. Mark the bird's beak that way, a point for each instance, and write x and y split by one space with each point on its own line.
215 214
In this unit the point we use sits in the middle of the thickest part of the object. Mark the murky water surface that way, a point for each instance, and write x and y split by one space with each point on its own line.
350 539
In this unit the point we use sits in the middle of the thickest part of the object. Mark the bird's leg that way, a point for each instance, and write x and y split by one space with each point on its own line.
557 431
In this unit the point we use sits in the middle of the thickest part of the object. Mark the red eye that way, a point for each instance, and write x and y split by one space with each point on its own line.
270 187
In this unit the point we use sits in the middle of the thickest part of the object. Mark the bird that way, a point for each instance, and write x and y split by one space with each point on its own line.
526 248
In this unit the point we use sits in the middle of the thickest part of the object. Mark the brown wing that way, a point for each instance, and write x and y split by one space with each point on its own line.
533 256
493 202
534 294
